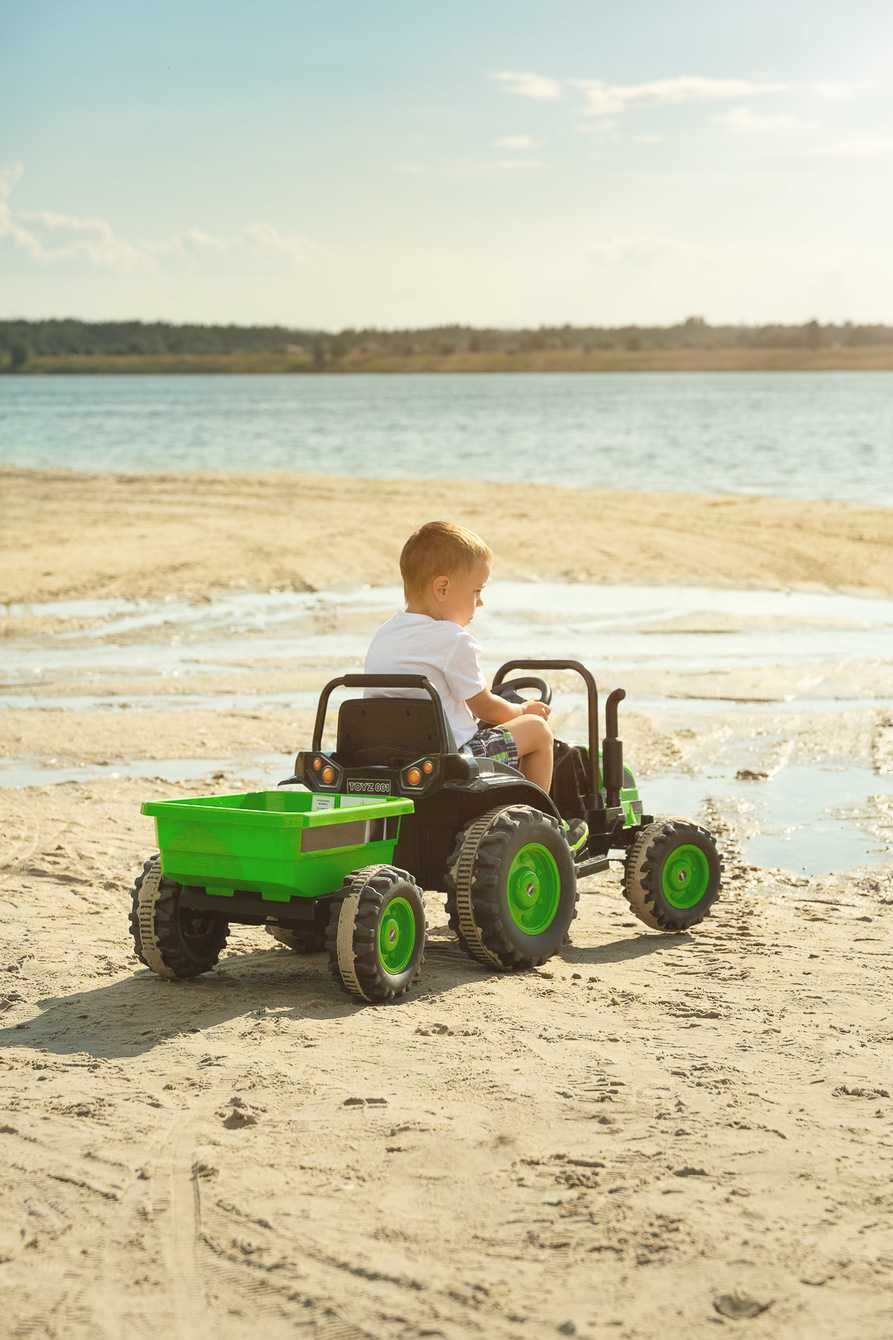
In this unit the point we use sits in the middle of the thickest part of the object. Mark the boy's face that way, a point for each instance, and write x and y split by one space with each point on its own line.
457 597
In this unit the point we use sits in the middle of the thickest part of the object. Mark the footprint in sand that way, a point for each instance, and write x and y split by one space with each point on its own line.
738 1306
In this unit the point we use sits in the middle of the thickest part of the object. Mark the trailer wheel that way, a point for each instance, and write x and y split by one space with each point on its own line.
511 888
672 874
376 934
173 941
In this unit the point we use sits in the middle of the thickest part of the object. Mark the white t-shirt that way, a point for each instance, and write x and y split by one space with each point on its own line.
415 644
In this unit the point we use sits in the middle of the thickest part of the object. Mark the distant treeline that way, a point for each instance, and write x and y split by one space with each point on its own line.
62 338
22 341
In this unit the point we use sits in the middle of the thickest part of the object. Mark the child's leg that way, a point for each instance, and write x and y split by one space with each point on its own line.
533 736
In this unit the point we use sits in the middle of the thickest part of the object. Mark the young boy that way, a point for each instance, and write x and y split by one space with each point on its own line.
445 569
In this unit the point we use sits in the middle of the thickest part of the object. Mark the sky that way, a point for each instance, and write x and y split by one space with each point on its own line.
413 164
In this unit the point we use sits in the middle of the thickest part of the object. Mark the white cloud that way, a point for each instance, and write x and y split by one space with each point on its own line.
635 251
746 122
9 227
93 238
519 163
8 178
195 237
837 92
603 99
864 146
264 237
47 235
601 130
193 241
516 143
539 87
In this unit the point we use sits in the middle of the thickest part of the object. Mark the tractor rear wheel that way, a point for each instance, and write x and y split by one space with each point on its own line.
672 875
173 941
511 887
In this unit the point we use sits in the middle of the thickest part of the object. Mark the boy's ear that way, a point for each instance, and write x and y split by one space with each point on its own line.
440 586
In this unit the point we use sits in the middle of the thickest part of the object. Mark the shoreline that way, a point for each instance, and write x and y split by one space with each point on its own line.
70 533
860 359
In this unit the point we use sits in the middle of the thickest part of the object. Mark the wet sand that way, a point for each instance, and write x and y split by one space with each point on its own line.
650 1134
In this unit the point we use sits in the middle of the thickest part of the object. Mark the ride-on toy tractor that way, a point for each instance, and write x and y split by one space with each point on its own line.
337 856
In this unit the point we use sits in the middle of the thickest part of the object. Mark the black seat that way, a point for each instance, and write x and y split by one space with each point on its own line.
387 731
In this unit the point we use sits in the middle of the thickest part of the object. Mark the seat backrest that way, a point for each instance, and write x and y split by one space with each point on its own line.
387 731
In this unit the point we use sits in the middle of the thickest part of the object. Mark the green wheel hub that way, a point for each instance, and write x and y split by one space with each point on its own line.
533 887
685 877
396 935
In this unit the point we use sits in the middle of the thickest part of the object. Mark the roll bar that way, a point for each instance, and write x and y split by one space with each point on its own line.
591 695
447 746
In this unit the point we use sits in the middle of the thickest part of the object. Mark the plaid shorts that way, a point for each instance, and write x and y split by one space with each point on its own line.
492 742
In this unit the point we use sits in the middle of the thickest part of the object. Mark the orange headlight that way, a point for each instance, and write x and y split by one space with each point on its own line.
317 764
328 775
413 777
427 767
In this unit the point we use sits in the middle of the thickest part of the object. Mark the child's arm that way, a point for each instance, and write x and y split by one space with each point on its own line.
495 711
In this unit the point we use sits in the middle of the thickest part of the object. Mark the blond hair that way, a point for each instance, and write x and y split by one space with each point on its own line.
438 549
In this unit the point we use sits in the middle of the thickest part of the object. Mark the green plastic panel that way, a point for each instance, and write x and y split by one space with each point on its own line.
254 842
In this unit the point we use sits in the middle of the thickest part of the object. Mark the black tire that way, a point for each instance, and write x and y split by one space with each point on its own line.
357 922
174 942
647 864
477 881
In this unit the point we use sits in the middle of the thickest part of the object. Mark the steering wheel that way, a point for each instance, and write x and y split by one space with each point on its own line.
508 689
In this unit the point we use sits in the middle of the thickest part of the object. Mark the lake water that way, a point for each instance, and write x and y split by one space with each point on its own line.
800 435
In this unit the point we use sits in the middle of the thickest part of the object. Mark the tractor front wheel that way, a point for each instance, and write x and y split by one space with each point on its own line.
672 875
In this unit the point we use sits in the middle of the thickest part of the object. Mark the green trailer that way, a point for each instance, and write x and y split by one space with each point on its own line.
285 859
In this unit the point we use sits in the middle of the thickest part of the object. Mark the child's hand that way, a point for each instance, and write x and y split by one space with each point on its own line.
536 709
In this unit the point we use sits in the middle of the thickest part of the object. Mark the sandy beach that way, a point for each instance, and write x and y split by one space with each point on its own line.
651 1134
68 534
